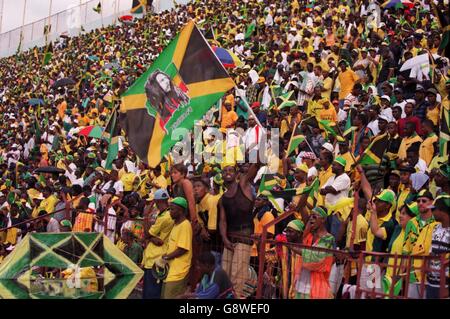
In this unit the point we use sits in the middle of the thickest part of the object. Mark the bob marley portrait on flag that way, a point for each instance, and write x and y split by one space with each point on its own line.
177 90
164 96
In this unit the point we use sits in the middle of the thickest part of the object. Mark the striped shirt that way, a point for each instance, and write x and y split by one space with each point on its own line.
83 221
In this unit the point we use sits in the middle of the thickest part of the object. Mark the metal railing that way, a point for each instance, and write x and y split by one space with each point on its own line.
67 22
72 22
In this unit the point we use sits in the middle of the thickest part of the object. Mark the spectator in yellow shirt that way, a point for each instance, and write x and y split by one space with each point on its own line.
179 251
347 79
158 242
427 148
327 113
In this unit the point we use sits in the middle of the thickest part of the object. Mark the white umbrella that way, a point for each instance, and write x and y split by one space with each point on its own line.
417 61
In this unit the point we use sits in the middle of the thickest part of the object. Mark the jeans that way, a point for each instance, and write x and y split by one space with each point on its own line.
152 289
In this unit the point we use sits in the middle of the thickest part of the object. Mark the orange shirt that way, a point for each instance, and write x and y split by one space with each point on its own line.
328 114
83 222
228 119
62 109
347 80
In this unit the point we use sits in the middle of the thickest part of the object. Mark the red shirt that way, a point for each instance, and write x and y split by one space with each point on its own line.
402 125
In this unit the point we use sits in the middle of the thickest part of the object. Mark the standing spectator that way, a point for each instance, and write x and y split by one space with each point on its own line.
179 251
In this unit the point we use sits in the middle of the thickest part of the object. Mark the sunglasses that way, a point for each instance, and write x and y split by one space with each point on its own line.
423 200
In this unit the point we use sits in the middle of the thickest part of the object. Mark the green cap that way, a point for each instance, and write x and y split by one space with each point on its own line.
66 223
387 196
69 157
413 208
425 193
340 160
319 210
91 155
444 170
180 201
296 225
442 202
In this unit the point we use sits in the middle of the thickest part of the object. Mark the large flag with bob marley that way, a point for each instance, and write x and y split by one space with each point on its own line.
179 88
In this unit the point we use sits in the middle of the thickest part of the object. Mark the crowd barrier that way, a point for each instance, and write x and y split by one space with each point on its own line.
279 274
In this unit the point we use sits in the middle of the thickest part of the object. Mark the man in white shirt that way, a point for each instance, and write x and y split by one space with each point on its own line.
400 101
115 183
412 156
338 185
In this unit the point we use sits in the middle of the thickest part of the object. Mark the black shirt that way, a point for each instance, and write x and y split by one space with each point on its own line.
384 72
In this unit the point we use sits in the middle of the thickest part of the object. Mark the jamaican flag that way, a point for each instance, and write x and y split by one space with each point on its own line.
287 194
285 100
268 182
331 128
296 138
113 147
98 8
374 152
138 6
179 88
444 134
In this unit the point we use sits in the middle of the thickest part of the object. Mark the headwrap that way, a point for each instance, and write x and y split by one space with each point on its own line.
319 210
296 225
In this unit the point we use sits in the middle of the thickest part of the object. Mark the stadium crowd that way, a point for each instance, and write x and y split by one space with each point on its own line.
365 128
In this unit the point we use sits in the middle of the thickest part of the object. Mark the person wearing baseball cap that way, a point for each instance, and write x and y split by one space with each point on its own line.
381 223
418 239
338 184
158 241
179 250
439 246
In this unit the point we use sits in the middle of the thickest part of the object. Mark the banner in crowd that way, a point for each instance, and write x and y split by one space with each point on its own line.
179 88
78 255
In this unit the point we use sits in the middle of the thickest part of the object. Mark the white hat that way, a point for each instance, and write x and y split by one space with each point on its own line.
413 102
384 117
328 147
386 97
239 36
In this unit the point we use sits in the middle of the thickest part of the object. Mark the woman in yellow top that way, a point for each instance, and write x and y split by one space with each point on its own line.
407 212
434 107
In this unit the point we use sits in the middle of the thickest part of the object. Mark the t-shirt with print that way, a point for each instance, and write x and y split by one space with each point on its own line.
440 244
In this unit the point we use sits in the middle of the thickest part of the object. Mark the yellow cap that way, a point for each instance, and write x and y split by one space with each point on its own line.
303 167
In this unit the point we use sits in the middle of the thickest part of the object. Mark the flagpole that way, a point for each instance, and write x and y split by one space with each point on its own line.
243 98
101 11
1 14
340 132
23 22
49 21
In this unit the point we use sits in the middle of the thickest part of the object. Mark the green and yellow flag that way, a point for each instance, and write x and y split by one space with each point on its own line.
138 6
331 128
113 137
179 88
296 138
444 133
374 152
98 8
285 100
